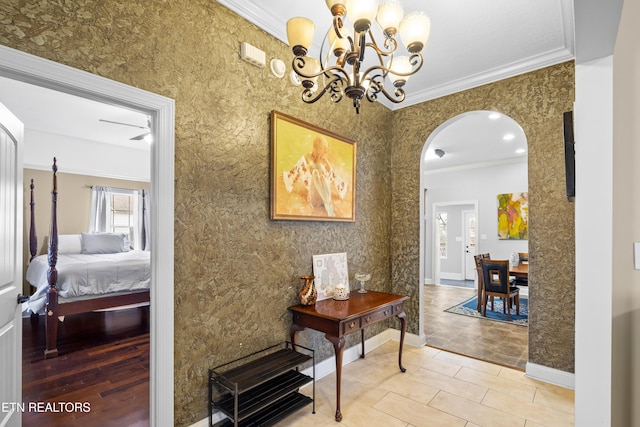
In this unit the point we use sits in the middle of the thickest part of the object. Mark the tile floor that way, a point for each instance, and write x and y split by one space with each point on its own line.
438 389
497 342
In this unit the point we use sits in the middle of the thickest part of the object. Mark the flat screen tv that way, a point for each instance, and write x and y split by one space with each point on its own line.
569 155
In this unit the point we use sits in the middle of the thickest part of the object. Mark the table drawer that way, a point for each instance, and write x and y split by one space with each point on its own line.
376 316
349 326
398 309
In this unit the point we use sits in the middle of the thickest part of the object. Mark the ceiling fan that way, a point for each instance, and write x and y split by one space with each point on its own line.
140 137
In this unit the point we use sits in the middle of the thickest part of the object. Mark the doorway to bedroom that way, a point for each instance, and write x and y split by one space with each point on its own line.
22 68
102 176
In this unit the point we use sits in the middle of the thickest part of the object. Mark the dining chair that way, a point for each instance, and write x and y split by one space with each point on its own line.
477 259
495 274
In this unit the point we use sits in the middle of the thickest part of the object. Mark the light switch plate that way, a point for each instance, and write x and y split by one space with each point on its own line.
636 255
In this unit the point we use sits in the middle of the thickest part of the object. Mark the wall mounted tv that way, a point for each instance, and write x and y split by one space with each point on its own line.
569 155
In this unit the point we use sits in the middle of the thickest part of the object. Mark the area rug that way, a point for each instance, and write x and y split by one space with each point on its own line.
469 308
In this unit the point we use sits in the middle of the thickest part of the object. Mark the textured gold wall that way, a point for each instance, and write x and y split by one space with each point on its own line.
235 270
536 101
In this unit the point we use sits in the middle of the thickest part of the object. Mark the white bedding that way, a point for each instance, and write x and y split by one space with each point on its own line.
82 275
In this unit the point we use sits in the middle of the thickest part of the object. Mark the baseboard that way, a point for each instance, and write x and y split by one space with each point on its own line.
451 276
351 354
550 375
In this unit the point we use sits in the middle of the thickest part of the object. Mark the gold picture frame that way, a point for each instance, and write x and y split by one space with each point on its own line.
313 172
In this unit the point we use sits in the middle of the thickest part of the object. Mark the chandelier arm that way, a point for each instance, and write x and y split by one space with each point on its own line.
387 42
298 65
416 61
384 70
362 44
338 25
375 86
397 97
335 87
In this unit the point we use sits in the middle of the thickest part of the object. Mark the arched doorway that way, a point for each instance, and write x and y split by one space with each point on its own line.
466 162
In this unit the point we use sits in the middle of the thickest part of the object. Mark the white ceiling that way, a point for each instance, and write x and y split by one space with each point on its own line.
476 138
472 42
50 111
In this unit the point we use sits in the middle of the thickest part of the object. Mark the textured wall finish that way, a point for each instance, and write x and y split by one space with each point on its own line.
235 270
536 101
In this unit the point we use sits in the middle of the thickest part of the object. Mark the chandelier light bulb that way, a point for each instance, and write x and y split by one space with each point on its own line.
300 34
338 45
337 7
414 31
389 15
400 64
311 68
362 13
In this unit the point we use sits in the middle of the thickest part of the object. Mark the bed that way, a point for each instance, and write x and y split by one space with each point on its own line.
82 272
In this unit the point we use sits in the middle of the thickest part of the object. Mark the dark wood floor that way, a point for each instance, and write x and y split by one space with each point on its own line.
103 366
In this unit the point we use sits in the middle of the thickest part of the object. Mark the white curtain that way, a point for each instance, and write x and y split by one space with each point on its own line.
100 209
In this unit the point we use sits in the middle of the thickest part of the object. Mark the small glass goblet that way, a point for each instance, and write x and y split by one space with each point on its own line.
362 278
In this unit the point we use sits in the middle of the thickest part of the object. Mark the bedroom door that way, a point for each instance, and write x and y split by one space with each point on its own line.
11 139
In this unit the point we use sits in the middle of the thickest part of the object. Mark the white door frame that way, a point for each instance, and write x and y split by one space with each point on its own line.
28 68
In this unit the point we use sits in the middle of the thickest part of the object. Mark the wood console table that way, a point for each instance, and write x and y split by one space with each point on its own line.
339 318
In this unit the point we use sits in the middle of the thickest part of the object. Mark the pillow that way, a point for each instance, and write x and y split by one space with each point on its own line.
69 244
103 243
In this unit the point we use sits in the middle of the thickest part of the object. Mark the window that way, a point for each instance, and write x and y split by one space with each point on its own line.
442 233
123 217
117 210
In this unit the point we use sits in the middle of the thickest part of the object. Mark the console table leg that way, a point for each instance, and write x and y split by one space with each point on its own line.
295 328
403 328
362 339
338 346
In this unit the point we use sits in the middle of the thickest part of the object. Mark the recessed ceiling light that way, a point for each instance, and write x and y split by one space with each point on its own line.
494 116
508 137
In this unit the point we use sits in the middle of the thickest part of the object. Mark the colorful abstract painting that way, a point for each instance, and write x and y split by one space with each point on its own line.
513 216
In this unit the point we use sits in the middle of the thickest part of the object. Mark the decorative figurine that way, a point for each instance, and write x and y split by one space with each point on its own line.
340 292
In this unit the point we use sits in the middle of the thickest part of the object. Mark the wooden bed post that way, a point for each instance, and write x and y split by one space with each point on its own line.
52 275
33 239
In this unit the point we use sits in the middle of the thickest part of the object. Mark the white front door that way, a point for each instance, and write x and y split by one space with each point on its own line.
470 244
11 139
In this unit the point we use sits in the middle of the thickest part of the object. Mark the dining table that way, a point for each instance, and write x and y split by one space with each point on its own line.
521 271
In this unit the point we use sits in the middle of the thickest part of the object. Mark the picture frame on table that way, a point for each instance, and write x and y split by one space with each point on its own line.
313 172
330 270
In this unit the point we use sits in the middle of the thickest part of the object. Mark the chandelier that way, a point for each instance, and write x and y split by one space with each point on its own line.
341 68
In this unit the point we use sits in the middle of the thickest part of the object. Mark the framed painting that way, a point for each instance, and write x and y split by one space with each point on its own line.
313 172
513 216
329 270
